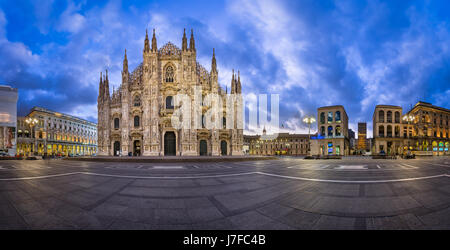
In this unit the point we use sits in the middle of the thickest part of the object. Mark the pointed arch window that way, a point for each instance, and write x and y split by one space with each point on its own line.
136 121
116 123
169 75
169 102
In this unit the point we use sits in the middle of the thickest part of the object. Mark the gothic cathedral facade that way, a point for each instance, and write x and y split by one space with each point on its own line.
137 117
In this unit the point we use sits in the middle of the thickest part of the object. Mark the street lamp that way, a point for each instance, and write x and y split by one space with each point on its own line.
309 120
32 122
408 119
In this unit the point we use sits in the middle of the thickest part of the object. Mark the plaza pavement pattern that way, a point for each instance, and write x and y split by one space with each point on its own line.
288 193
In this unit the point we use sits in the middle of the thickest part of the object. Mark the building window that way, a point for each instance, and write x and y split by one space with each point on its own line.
169 74
203 121
137 101
330 131
322 131
169 102
322 118
397 117
224 122
116 123
389 131
397 131
337 116
136 121
389 117
381 116
330 117
338 130
381 131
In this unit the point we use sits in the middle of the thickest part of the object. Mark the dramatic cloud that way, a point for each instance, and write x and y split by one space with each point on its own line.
312 53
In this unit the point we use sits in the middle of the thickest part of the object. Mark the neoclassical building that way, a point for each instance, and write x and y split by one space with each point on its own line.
137 117
45 132
423 130
280 144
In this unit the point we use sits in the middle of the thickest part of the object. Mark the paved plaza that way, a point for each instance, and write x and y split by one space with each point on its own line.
287 193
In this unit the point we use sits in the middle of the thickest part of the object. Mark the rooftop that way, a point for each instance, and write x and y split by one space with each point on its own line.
332 106
387 106
57 114
429 105
7 88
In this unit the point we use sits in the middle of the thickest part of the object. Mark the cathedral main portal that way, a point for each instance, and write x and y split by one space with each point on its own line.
169 143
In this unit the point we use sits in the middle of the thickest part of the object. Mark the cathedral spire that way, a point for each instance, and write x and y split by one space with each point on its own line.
238 87
125 62
213 63
154 46
184 42
106 84
192 41
100 88
233 84
146 43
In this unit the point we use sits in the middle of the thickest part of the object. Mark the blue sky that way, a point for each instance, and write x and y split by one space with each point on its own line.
312 53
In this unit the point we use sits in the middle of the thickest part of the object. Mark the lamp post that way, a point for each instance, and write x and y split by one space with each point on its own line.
32 122
309 120
408 119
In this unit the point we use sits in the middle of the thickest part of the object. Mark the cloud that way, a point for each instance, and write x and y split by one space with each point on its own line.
311 53
42 13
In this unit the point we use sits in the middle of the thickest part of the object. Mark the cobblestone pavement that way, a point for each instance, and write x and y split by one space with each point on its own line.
288 193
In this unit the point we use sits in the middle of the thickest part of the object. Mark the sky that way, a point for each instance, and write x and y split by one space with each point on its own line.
311 53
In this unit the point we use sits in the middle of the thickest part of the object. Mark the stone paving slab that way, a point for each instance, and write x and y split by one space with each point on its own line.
131 200
165 159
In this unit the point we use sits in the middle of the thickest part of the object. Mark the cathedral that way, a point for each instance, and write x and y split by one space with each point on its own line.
137 118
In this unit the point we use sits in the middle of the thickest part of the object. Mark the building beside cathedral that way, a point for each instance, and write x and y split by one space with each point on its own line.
279 144
137 118
423 130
